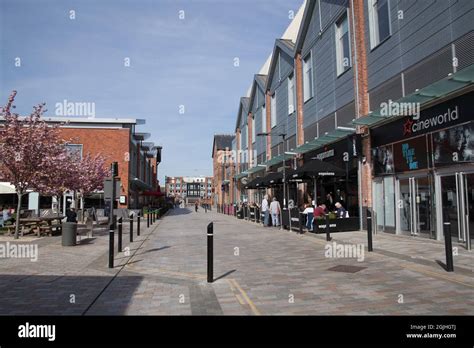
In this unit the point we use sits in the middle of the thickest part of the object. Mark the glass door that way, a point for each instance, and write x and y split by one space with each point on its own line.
457 192
416 206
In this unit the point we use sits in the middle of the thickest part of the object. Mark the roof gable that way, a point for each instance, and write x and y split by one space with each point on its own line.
243 109
260 81
222 142
281 45
305 22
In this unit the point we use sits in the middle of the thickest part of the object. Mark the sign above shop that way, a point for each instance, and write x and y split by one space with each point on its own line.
444 115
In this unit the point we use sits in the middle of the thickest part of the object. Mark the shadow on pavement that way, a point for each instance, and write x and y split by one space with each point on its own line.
225 275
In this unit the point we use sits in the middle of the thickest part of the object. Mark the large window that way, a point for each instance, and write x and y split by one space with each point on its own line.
291 95
264 119
74 150
307 78
343 51
379 21
253 129
273 110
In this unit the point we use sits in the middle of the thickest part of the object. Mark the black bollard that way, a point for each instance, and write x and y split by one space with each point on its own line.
301 222
111 245
120 235
138 224
153 216
328 233
448 246
210 252
148 219
369 230
131 228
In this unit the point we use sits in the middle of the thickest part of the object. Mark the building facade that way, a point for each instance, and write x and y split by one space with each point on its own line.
189 189
118 141
380 89
223 164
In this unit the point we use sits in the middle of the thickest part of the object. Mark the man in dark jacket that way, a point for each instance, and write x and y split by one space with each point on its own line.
71 215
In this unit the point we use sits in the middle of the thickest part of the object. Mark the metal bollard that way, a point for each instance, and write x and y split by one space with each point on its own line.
148 219
369 230
210 252
120 235
448 244
138 224
328 233
301 223
111 245
131 228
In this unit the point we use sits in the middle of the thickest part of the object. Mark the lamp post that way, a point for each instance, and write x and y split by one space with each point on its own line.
282 135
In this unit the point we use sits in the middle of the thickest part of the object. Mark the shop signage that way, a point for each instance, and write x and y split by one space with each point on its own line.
325 154
445 115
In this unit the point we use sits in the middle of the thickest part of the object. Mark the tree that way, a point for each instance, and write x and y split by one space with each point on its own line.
28 146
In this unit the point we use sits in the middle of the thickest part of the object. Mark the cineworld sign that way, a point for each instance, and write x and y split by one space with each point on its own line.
411 127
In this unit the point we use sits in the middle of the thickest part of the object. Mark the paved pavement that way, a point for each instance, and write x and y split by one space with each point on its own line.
257 270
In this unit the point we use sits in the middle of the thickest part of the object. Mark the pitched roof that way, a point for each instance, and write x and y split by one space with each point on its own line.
222 141
284 45
305 22
260 80
243 108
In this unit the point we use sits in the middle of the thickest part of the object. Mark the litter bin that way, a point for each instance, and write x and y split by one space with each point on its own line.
69 232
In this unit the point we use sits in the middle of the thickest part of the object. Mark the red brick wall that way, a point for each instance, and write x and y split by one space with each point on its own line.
299 100
113 144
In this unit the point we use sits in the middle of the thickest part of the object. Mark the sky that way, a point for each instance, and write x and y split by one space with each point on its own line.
169 62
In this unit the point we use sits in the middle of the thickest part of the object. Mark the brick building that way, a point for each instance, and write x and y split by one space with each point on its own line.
323 97
223 165
118 141
189 189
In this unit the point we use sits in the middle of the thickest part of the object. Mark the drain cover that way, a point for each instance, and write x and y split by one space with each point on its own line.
346 268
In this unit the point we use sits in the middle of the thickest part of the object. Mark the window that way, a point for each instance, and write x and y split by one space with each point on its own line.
307 78
379 21
74 150
253 129
273 110
291 95
343 50
264 119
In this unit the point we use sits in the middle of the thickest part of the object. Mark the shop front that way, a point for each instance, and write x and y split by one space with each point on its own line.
424 172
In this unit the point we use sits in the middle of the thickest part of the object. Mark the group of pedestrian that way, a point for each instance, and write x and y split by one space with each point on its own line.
313 212
272 209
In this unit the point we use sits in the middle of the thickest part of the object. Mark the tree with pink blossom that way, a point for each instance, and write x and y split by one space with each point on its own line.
28 146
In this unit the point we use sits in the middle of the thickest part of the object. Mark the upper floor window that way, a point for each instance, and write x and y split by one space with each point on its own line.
307 77
379 21
291 94
343 49
74 150
253 130
273 110
264 119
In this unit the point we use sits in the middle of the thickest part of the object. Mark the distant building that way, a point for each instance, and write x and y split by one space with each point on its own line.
223 167
189 188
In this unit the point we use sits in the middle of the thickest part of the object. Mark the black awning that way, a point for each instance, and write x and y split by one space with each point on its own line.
255 183
316 168
271 179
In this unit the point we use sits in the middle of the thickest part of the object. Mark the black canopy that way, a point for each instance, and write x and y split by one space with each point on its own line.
271 179
255 183
314 169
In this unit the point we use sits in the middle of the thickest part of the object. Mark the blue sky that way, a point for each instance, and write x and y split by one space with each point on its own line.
173 62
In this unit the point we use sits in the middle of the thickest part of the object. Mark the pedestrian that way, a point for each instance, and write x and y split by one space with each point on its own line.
71 215
265 211
329 201
320 211
196 206
309 212
275 210
340 211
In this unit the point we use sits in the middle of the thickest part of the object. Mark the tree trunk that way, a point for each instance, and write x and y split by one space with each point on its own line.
17 222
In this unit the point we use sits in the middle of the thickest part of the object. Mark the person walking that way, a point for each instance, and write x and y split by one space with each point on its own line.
275 210
196 206
265 211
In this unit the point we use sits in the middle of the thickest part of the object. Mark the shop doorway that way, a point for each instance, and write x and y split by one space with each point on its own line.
384 204
415 203
457 194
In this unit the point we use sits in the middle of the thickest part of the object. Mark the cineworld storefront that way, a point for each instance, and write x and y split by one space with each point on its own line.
424 170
